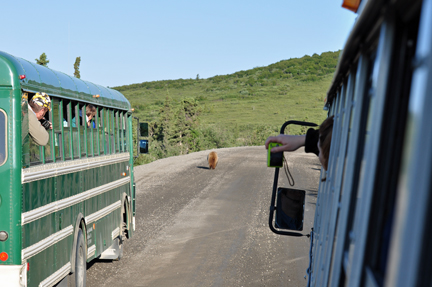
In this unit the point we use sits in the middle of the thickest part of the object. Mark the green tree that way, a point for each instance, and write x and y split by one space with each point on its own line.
177 129
76 67
42 60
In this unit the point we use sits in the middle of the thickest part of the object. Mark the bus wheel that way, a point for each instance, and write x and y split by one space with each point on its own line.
78 278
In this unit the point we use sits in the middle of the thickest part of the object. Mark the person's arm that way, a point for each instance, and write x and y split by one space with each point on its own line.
38 133
288 142
292 143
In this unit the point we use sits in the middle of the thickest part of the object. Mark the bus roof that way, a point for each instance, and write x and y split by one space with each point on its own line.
365 21
42 79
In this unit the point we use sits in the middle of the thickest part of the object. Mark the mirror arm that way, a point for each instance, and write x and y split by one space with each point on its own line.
275 183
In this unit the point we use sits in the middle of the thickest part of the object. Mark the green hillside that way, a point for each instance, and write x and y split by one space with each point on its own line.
238 109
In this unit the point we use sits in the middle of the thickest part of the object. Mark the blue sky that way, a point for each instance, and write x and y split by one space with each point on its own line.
126 42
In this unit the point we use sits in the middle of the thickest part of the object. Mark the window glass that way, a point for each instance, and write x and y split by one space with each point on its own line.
106 130
117 131
90 139
96 137
67 117
82 129
35 151
75 131
122 135
48 148
102 125
57 123
111 129
3 137
126 132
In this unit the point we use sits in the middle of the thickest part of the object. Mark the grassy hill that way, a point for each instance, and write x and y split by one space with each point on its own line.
242 108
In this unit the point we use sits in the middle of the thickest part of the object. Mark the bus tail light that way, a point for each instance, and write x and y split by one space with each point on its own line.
4 256
22 77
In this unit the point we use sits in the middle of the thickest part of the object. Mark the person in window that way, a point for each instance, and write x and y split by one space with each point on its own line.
315 141
90 114
38 125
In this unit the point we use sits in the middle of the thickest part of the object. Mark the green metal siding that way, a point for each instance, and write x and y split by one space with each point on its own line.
10 172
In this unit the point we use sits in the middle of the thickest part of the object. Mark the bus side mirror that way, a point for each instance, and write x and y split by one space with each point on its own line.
290 209
143 146
143 130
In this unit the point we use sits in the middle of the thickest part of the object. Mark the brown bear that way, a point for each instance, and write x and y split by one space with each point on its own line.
212 159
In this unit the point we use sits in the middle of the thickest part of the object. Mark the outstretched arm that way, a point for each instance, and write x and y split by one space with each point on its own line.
289 142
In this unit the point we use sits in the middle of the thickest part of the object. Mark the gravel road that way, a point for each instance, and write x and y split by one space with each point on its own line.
202 227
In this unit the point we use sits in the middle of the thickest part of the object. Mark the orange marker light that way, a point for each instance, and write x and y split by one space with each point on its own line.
123 174
96 96
94 226
351 5
4 256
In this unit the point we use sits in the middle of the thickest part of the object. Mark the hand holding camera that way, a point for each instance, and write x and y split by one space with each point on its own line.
45 123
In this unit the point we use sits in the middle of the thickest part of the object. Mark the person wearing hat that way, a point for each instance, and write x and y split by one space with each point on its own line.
38 125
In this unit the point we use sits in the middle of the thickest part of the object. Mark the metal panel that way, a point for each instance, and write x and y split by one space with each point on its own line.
366 186
324 204
329 189
414 186
337 182
347 204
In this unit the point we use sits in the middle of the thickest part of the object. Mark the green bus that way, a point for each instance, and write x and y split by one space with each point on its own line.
72 200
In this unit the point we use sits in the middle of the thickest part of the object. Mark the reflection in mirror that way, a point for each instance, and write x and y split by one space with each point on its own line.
290 208
144 129
143 146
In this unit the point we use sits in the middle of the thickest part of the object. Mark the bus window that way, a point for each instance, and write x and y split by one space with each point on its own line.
89 136
3 137
111 131
57 122
117 131
122 134
75 131
96 138
106 129
67 129
102 124
82 129
48 148
34 149
126 132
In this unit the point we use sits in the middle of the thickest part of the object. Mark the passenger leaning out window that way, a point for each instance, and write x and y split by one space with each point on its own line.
39 104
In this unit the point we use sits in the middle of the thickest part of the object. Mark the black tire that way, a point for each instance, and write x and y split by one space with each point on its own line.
79 277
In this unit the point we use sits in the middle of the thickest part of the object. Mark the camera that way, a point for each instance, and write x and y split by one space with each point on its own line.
45 123
274 159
